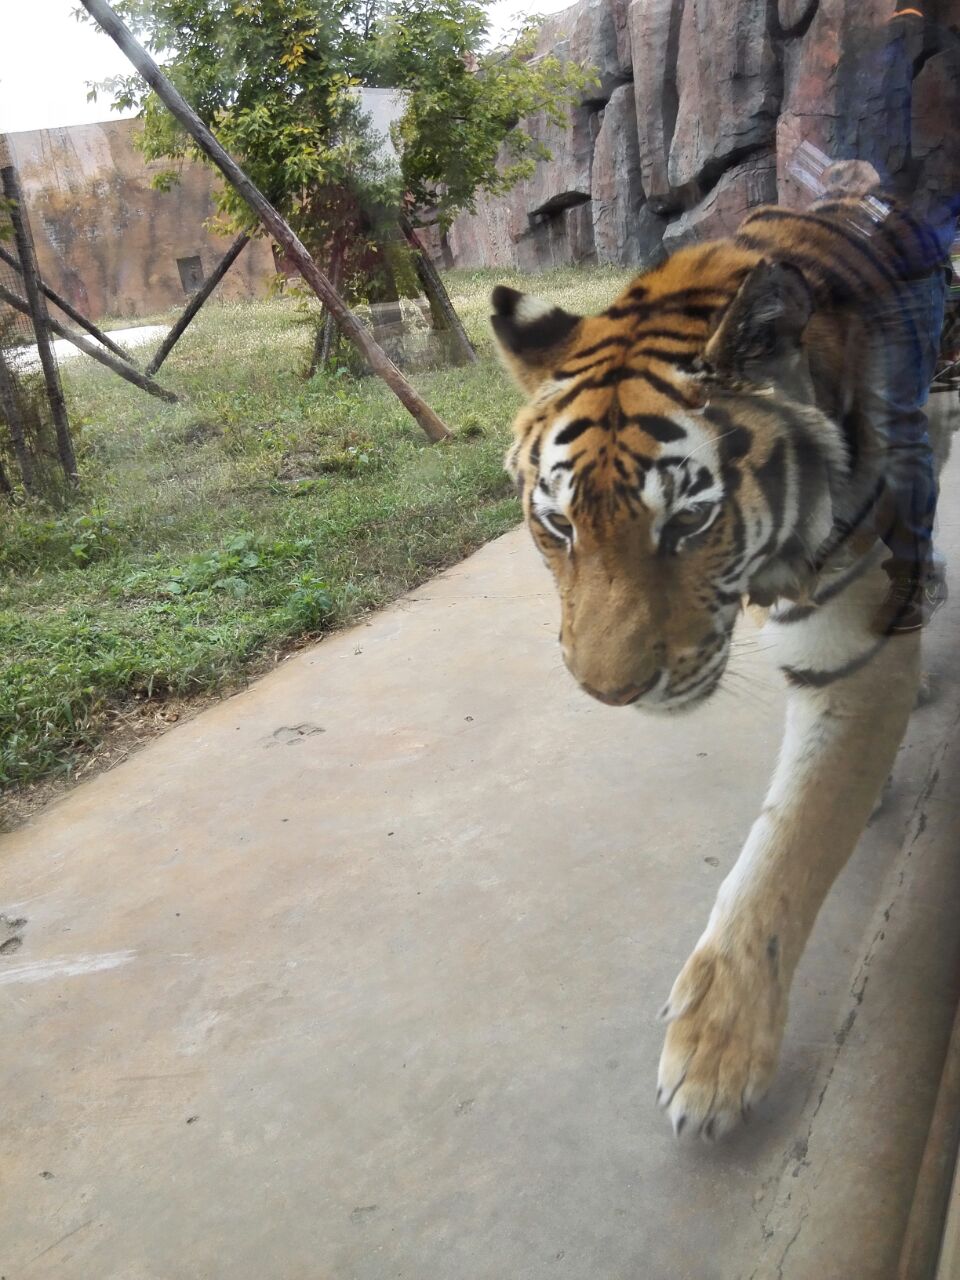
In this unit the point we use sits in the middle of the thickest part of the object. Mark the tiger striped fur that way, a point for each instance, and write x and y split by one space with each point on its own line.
711 438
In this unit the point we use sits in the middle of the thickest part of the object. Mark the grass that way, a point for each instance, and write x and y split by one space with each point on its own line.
260 510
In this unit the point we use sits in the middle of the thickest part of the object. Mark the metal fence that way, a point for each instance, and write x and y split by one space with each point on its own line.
36 453
16 329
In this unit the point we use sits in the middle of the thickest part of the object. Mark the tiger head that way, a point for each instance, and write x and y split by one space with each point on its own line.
670 459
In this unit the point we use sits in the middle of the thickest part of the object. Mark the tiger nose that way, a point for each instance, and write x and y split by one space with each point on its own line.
622 697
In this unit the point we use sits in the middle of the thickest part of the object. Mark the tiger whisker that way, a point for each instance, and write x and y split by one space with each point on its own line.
745 693
749 647
711 440
749 680
760 672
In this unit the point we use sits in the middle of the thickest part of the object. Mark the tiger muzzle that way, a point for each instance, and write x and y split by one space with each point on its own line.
622 697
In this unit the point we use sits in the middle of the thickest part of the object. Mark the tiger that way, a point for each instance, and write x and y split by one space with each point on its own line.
710 442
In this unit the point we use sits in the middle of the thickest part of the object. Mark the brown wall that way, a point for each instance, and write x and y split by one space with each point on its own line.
105 239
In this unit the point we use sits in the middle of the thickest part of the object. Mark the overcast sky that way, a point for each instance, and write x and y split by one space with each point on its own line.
46 57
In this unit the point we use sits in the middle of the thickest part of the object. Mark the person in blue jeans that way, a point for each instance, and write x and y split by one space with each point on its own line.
906 331
911 341
905 334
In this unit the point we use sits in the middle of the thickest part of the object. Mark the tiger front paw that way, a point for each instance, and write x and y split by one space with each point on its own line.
726 1013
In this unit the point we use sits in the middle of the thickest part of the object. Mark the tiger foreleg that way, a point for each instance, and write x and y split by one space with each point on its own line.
728 1006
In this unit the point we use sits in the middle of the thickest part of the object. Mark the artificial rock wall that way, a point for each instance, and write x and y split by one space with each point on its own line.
699 111
110 243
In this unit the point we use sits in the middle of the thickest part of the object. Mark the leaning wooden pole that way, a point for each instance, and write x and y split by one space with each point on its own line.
197 301
278 227
436 292
68 309
97 353
37 309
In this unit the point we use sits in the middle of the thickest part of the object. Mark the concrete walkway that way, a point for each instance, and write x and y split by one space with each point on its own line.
355 977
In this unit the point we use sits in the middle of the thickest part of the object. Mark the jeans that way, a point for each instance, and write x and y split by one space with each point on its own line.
904 345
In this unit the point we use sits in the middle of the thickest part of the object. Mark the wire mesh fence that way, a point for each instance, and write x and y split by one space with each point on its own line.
33 460
16 329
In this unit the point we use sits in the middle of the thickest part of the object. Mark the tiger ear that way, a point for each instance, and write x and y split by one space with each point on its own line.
763 324
532 335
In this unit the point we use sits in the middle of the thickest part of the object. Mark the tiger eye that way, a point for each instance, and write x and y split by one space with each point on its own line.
691 518
562 525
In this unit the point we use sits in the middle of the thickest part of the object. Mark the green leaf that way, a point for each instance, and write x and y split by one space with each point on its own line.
273 78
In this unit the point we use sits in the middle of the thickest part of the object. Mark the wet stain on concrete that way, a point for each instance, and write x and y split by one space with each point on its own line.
290 735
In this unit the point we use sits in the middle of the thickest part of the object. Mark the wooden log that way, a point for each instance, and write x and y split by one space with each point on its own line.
436 293
10 409
68 309
37 310
197 301
278 227
96 352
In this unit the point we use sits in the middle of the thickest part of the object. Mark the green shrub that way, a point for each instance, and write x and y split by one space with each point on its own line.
233 567
30 540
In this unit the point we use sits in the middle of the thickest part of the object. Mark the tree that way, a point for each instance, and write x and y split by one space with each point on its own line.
277 80
462 133
273 78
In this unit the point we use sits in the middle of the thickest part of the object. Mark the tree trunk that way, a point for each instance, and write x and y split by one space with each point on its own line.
323 345
441 307
281 231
